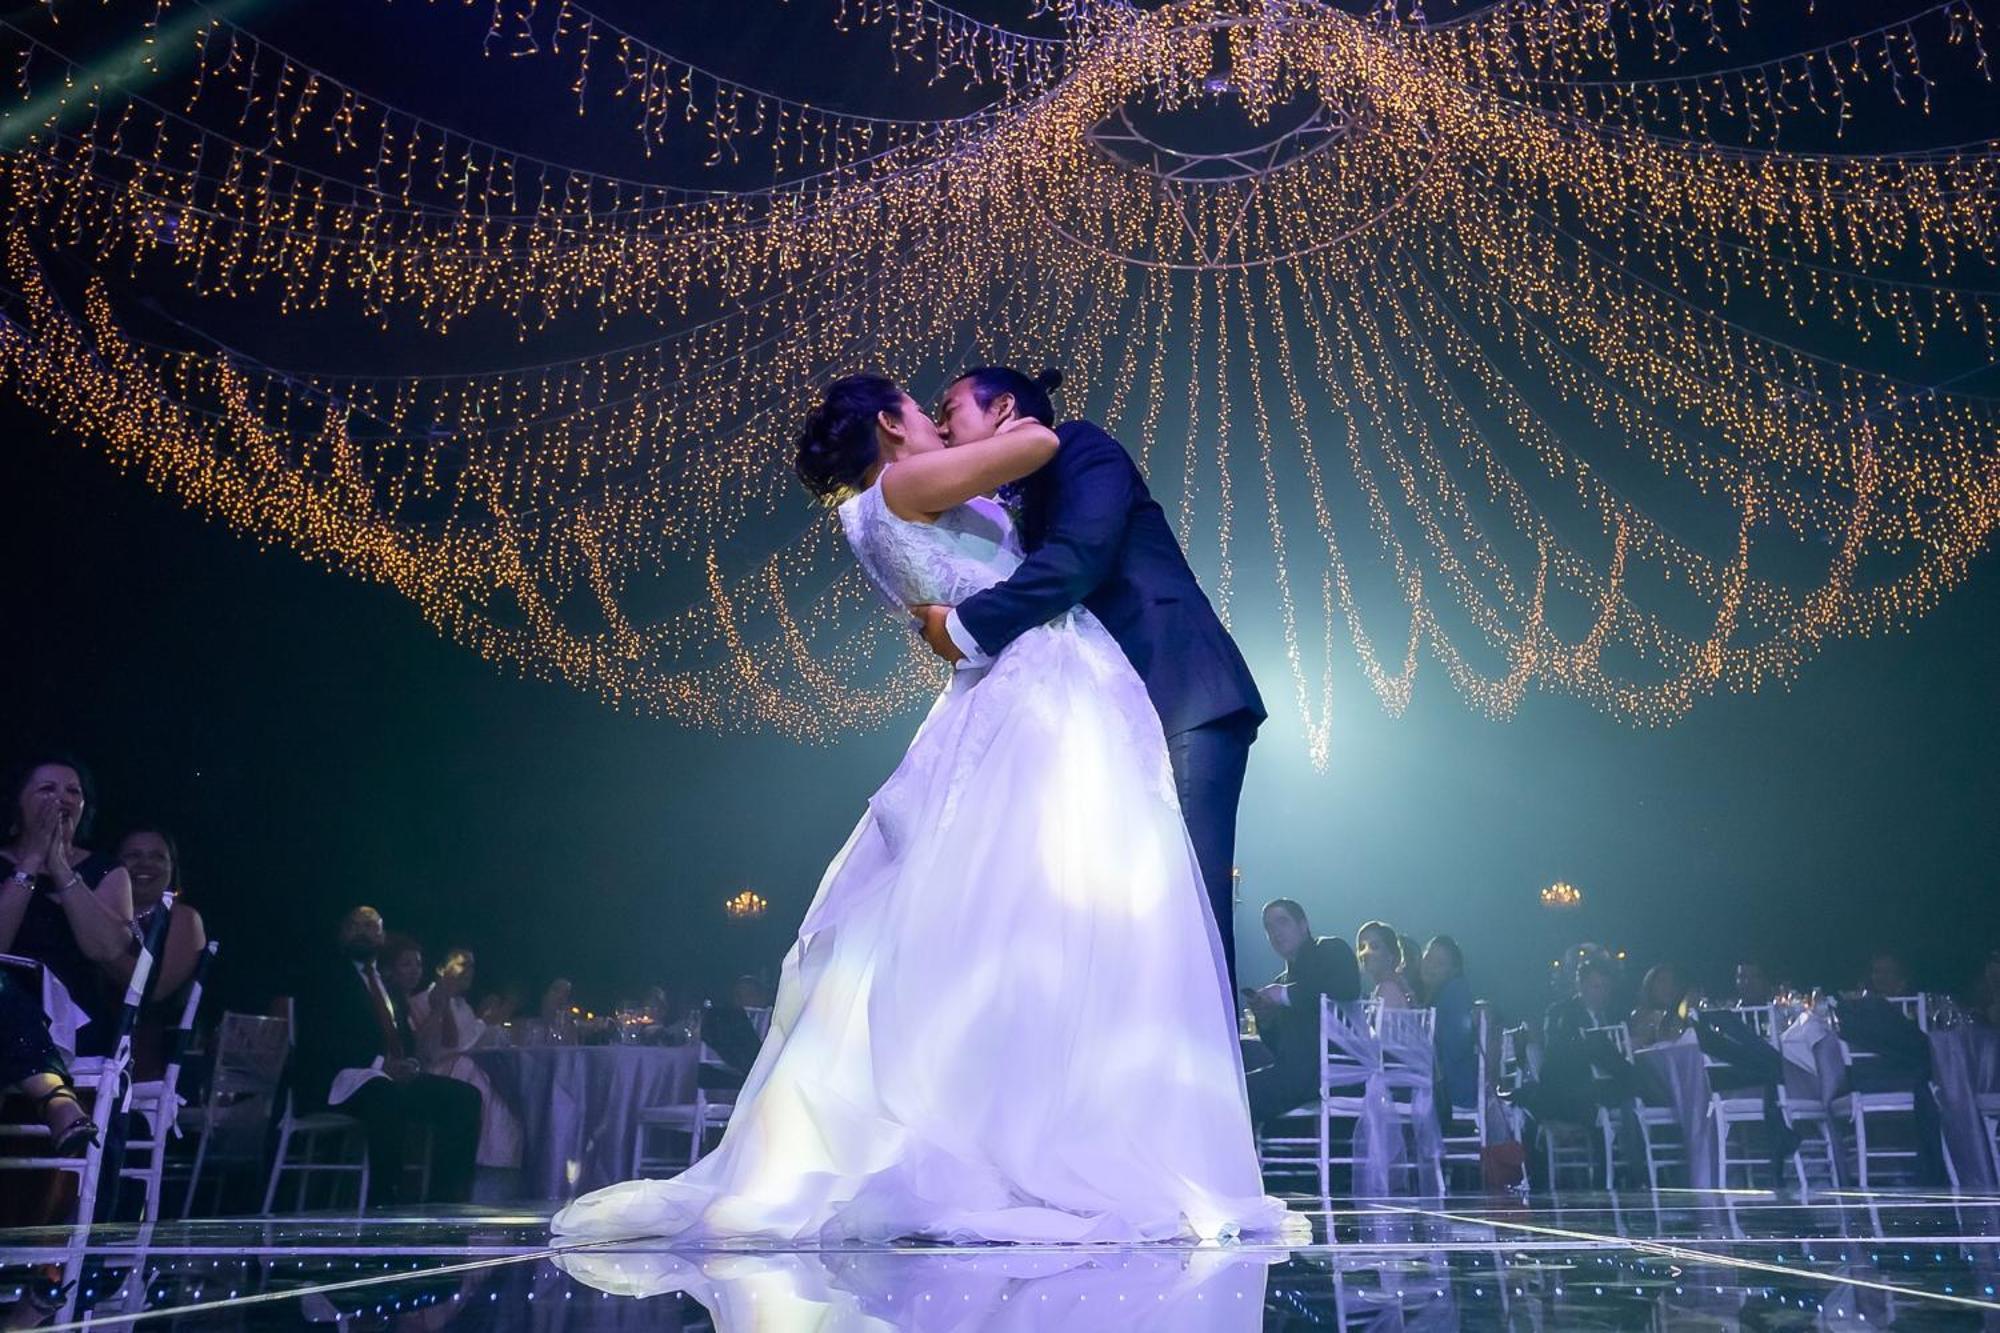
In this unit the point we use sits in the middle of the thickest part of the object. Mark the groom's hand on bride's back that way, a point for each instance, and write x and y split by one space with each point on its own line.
930 623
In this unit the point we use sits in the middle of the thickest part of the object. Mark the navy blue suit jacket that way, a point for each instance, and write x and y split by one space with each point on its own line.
1096 537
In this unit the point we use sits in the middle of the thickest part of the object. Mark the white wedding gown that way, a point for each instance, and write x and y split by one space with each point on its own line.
1006 1016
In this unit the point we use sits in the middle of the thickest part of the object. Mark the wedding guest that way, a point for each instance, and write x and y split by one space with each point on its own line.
1582 1071
401 961
445 1025
1901 1057
355 1050
1287 1009
446 1030
152 859
1657 1017
1379 951
1753 984
1985 997
1413 957
68 909
734 1029
1590 1007
749 992
1887 977
1441 971
730 1033
1562 977
556 1001
30 1062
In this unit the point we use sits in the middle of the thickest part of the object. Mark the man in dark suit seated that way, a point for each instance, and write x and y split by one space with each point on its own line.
1895 1056
1287 1010
1581 1070
355 1052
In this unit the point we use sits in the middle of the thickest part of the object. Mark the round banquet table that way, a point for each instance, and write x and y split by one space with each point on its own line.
579 1106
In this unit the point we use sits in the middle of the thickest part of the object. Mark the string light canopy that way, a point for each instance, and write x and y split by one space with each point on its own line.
1559 348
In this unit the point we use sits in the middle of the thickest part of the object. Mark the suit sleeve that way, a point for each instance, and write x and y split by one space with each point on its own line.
1342 975
1090 502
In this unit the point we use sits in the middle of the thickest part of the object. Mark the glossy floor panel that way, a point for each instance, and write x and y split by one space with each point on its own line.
1678 1260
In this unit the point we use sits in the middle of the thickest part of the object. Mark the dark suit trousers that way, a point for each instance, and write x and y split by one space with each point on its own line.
389 1110
1280 1087
1208 773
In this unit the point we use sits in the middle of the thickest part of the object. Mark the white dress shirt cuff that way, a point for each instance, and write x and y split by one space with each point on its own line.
975 656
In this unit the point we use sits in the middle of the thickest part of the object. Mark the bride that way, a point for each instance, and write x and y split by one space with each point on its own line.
1006 1016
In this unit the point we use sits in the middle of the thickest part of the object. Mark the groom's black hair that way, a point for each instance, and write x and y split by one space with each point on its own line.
1031 396
836 446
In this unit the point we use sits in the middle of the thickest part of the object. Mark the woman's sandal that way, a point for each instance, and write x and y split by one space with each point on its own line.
74 1139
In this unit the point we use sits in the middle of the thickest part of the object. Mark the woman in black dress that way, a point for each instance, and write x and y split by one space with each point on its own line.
71 912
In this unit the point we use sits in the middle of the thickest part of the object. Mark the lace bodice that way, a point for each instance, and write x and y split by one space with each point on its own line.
968 549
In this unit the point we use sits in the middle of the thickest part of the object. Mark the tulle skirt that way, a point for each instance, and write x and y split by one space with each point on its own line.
1006 1016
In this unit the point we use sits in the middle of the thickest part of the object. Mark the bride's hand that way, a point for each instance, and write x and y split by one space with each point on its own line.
931 624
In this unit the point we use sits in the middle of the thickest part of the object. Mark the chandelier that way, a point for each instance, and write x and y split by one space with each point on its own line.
1561 896
746 906
1521 347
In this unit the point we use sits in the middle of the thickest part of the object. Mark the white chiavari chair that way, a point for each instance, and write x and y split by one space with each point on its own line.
246 1069
1661 1144
1727 1111
1468 1129
1916 1008
708 1111
104 1083
313 1133
1305 1139
156 1102
1855 1107
1407 1039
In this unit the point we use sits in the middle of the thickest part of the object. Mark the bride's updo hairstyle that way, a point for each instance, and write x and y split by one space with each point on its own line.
1031 396
836 446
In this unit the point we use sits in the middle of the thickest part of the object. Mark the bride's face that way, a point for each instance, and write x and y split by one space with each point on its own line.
906 432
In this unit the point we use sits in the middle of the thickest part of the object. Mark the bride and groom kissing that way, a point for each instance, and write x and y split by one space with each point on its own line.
1008 1014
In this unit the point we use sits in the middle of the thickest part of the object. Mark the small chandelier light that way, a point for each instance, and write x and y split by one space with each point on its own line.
746 906
1561 896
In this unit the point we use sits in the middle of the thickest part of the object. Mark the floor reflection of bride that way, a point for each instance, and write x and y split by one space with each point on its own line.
1186 1290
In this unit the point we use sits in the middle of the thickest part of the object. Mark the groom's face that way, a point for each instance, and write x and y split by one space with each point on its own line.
961 420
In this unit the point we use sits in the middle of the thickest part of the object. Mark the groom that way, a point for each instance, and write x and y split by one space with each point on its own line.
1095 537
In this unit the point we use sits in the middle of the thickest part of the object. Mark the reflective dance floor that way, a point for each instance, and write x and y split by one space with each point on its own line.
1717 1261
